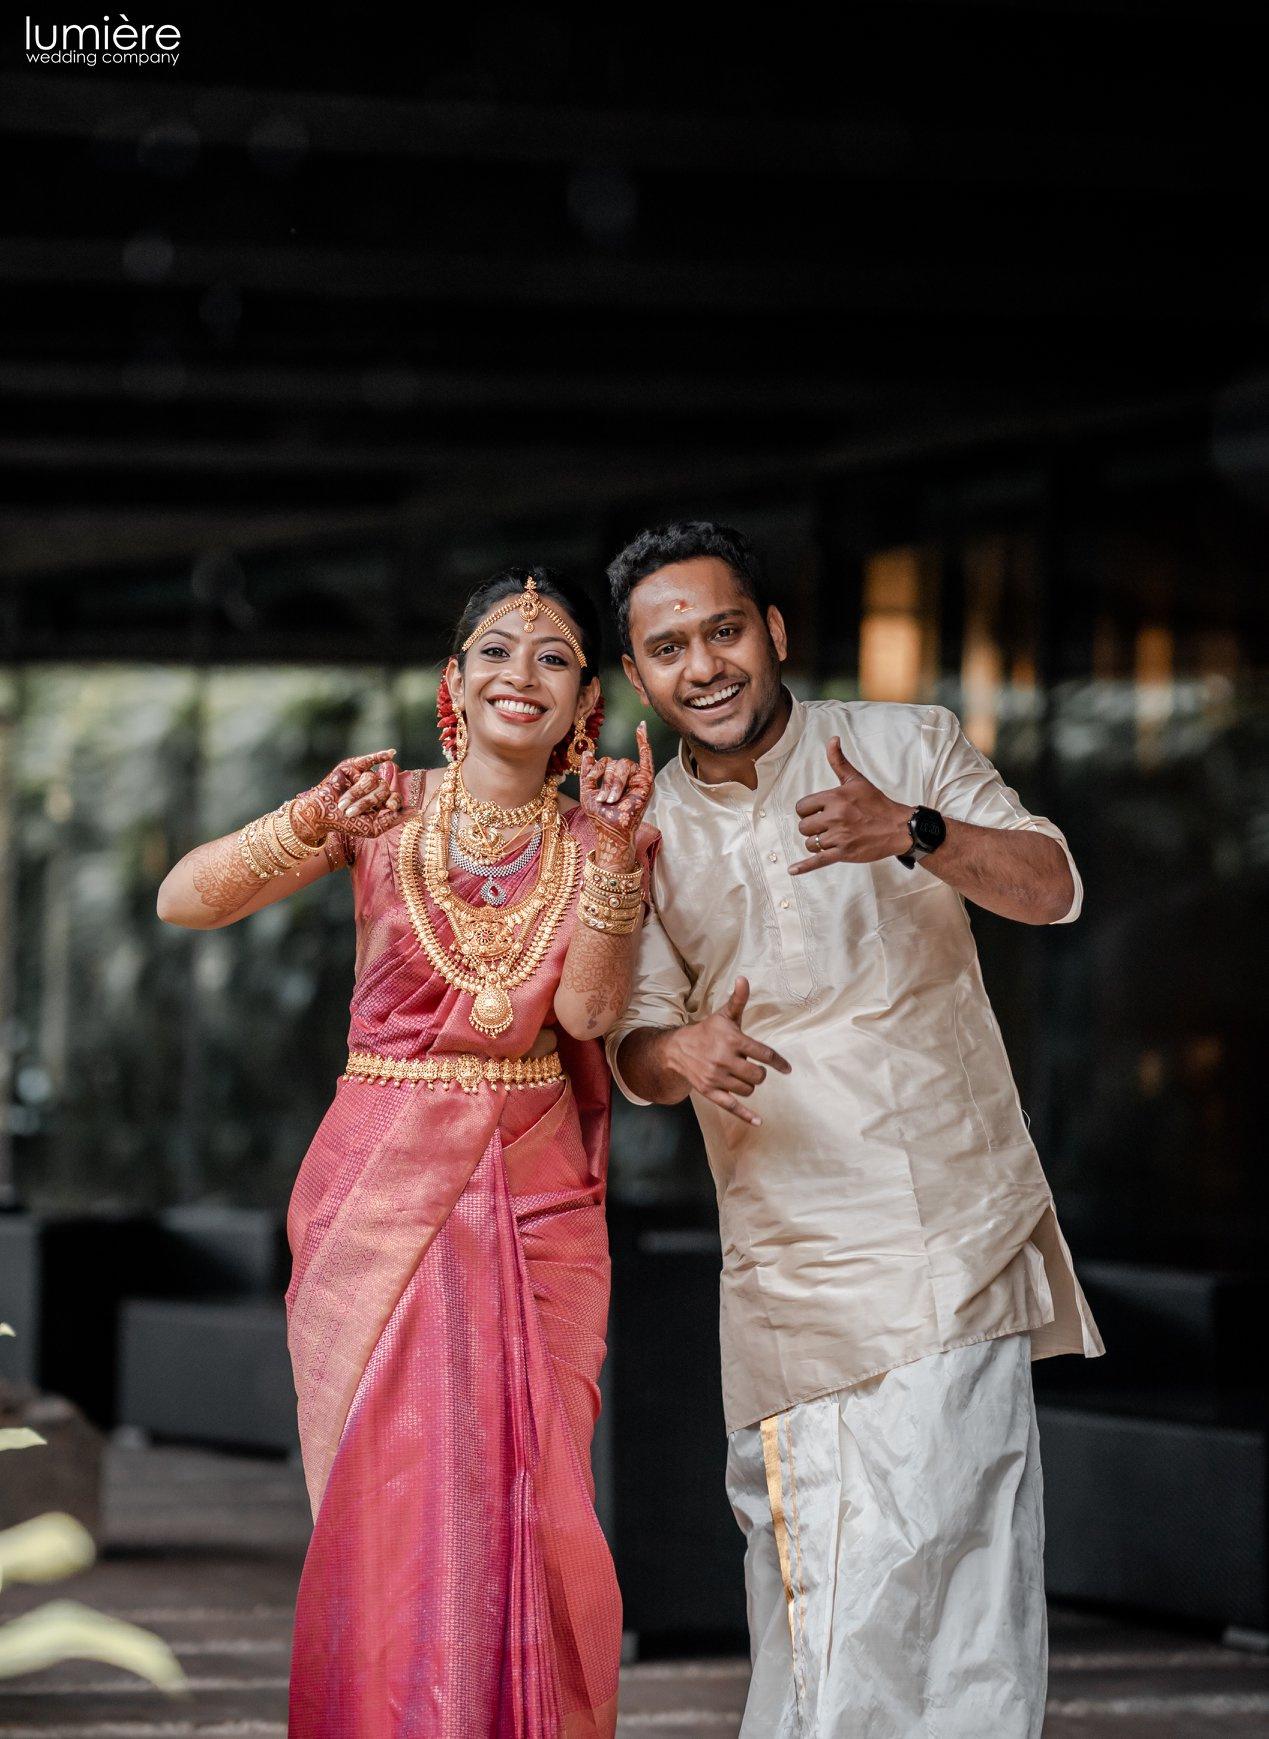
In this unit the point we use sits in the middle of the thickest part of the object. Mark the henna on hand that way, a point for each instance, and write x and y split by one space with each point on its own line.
355 800
615 794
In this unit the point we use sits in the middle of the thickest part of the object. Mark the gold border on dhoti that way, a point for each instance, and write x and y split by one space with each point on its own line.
775 1496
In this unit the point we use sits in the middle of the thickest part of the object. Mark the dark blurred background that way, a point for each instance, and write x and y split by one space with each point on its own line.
961 313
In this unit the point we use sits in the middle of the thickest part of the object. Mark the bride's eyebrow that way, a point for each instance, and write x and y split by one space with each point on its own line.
538 639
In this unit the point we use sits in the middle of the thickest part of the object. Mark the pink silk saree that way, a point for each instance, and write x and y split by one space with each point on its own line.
446 1320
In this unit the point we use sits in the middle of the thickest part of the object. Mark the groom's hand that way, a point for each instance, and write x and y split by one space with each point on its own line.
718 1060
851 822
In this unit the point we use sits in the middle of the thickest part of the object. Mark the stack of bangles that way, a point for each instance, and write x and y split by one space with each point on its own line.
610 900
270 846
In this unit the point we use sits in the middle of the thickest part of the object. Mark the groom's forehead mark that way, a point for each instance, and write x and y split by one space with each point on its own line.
705 622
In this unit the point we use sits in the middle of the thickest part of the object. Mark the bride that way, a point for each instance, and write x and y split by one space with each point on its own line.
449 1293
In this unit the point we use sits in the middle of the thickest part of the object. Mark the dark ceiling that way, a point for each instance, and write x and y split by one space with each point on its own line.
354 284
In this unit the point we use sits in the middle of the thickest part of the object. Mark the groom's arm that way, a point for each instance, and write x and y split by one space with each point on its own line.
659 1054
713 1057
995 852
1024 876
643 1066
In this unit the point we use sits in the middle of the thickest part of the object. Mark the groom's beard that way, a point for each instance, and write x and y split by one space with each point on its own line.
766 704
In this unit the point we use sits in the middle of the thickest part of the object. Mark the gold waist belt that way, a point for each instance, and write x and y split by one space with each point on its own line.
463 1069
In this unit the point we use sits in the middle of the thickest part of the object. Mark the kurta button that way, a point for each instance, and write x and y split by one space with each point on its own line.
775 857
784 905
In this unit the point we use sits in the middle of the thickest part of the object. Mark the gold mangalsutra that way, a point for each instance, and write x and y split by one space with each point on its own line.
465 1069
531 604
496 950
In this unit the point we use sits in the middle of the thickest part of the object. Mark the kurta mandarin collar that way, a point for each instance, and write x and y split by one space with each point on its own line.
768 766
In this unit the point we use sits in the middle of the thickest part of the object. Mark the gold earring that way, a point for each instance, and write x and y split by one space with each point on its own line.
460 738
581 744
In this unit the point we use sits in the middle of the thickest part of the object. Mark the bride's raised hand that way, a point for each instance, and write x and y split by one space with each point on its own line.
615 793
355 798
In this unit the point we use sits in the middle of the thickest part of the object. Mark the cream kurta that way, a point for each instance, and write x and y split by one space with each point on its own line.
892 1203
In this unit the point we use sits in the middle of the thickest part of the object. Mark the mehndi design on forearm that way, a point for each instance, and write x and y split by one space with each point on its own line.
597 971
224 882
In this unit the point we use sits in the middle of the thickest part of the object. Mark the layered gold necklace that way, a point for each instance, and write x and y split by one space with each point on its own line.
494 950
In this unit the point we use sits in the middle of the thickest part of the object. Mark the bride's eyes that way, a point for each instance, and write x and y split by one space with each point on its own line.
499 652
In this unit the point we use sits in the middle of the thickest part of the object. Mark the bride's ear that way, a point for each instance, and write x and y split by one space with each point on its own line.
454 680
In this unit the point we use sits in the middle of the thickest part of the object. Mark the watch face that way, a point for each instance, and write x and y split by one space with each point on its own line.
928 829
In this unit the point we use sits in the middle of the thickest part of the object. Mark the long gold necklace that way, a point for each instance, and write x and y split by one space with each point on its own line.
493 951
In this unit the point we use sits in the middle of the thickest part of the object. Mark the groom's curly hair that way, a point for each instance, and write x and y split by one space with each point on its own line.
681 541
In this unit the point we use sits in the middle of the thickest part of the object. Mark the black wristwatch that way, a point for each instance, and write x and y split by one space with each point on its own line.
928 831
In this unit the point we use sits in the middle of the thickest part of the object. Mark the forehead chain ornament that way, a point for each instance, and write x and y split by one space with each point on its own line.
531 604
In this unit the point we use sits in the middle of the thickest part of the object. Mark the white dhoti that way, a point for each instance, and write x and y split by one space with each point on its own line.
894 1561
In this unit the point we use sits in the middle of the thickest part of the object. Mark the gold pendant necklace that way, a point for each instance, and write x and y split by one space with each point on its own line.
493 951
483 818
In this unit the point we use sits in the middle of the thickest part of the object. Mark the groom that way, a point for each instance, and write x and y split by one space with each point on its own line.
891 1258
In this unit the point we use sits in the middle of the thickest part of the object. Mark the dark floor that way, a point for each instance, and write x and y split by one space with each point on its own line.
206 1549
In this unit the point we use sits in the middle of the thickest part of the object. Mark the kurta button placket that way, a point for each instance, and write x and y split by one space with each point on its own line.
788 916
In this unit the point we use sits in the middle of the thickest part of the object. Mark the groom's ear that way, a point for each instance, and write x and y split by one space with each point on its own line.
632 672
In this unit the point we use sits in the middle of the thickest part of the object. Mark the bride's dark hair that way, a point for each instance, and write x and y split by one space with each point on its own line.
506 583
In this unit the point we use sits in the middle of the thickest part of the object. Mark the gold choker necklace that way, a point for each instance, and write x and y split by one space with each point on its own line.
481 838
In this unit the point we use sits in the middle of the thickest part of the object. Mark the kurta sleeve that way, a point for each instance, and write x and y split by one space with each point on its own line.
659 988
962 783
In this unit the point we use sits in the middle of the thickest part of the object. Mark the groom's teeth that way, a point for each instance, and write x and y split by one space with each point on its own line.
719 695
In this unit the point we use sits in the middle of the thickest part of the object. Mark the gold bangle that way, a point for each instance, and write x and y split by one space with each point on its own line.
269 850
245 851
630 898
608 910
593 866
610 926
289 839
618 913
618 881
260 859
278 845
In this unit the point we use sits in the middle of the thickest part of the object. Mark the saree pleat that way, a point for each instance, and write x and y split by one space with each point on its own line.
446 1316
